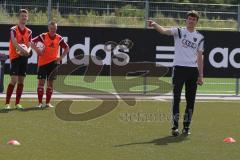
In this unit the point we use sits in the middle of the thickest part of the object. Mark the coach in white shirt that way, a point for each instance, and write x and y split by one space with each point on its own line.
187 67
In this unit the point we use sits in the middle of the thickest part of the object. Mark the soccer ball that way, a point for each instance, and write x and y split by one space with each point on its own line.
23 46
40 46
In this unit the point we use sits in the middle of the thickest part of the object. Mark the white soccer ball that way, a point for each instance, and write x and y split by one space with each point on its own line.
40 46
23 46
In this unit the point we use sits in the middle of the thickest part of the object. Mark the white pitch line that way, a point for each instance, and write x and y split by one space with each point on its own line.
138 100
164 98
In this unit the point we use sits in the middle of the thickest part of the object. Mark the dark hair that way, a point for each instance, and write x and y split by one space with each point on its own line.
193 13
52 23
22 11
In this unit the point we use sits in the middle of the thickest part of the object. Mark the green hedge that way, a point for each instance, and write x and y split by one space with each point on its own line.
127 16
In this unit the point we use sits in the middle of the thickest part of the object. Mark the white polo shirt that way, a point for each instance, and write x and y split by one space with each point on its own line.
187 44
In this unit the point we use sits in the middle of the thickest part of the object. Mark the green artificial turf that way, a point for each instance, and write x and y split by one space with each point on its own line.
140 132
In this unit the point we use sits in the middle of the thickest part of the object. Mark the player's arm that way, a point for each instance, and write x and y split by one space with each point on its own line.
34 47
65 46
159 28
200 62
29 47
29 43
17 46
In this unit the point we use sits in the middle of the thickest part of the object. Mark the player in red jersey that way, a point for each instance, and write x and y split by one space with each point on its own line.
19 50
48 58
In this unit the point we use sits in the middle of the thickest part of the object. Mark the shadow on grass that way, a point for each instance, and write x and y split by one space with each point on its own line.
23 110
160 141
7 110
33 109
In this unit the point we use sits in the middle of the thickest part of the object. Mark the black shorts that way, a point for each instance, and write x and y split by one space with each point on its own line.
18 66
48 71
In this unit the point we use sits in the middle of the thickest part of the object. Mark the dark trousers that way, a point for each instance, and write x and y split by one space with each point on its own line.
181 76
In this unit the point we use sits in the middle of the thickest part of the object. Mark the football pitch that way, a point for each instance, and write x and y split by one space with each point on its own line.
140 132
105 83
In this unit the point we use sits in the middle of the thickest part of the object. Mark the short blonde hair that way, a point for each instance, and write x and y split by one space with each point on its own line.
52 23
22 11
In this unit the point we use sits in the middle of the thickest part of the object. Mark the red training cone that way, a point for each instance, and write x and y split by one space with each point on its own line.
229 140
14 142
